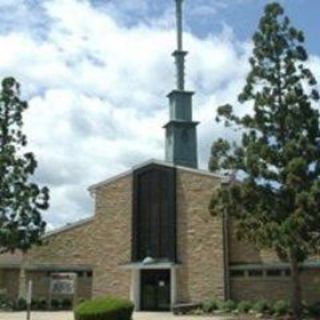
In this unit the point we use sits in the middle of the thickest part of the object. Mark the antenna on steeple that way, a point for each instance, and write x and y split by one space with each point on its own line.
181 130
179 54
179 24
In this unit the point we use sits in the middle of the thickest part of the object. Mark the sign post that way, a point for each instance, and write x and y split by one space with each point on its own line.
29 299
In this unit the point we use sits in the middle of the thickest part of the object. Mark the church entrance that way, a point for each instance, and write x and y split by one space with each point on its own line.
155 290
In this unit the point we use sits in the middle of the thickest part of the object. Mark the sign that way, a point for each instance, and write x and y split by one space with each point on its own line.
62 283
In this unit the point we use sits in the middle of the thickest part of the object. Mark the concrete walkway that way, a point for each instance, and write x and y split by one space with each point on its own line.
69 316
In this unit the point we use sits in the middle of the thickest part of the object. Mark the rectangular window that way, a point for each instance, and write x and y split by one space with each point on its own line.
287 272
255 273
237 273
154 213
89 274
274 273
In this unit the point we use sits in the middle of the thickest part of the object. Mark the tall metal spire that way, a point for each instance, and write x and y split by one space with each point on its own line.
179 54
179 24
181 132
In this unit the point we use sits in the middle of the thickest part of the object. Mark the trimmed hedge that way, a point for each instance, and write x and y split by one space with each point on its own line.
106 308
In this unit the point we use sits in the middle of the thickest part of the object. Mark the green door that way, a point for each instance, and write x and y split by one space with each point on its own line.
155 290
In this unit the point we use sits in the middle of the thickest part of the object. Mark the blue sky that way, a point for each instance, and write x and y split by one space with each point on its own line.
96 75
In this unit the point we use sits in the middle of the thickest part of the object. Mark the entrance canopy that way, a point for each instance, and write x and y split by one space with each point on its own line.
151 265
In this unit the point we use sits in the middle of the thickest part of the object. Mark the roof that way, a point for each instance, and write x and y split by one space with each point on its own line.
14 259
107 181
69 226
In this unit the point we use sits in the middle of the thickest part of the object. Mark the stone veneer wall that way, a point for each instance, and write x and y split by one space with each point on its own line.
200 240
276 288
9 282
113 238
266 287
103 243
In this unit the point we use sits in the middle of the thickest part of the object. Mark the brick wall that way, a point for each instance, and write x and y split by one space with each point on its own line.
278 288
102 244
113 238
10 282
200 240
266 287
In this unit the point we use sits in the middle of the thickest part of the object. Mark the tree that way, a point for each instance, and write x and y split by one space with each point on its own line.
275 199
21 201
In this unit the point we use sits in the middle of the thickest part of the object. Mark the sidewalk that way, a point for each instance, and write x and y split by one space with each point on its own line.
69 316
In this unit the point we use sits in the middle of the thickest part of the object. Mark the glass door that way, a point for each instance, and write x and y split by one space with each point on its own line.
155 290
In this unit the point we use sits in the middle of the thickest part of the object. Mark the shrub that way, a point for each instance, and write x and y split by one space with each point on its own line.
244 306
261 306
42 304
107 308
228 306
34 304
314 309
20 304
281 308
55 304
66 304
5 303
209 306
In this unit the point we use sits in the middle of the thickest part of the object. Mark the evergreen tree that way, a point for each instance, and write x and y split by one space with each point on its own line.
276 201
21 201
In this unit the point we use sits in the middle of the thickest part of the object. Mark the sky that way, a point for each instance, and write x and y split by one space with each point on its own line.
96 75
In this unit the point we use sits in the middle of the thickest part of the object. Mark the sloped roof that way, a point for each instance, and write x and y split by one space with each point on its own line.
68 226
107 181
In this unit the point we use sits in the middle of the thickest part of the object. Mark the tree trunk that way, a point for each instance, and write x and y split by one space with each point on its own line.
296 286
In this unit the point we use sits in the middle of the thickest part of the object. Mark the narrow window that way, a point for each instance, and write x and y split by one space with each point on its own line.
89 274
274 273
237 273
255 273
287 272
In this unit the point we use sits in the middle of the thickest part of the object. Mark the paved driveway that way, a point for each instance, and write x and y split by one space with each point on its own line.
69 316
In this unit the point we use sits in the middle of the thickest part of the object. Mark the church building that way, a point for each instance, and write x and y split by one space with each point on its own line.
152 239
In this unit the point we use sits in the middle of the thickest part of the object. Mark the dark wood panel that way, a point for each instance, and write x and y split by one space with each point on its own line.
154 213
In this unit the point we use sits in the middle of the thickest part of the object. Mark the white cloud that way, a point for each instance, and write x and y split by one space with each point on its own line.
97 91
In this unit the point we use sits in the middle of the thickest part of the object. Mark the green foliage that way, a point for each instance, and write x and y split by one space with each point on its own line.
5 303
261 306
39 304
66 303
209 306
281 308
244 306
277 162
42 304
20 304
55 304
314 309
107 308
21 201
227 306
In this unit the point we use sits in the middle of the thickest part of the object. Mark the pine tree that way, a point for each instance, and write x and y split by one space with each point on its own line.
21 201
276 200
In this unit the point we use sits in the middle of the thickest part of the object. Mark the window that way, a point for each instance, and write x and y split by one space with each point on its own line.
255 273
287 272
89 274
237 273
154 213
274 273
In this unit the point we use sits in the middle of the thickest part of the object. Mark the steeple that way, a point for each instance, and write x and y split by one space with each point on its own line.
181 133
